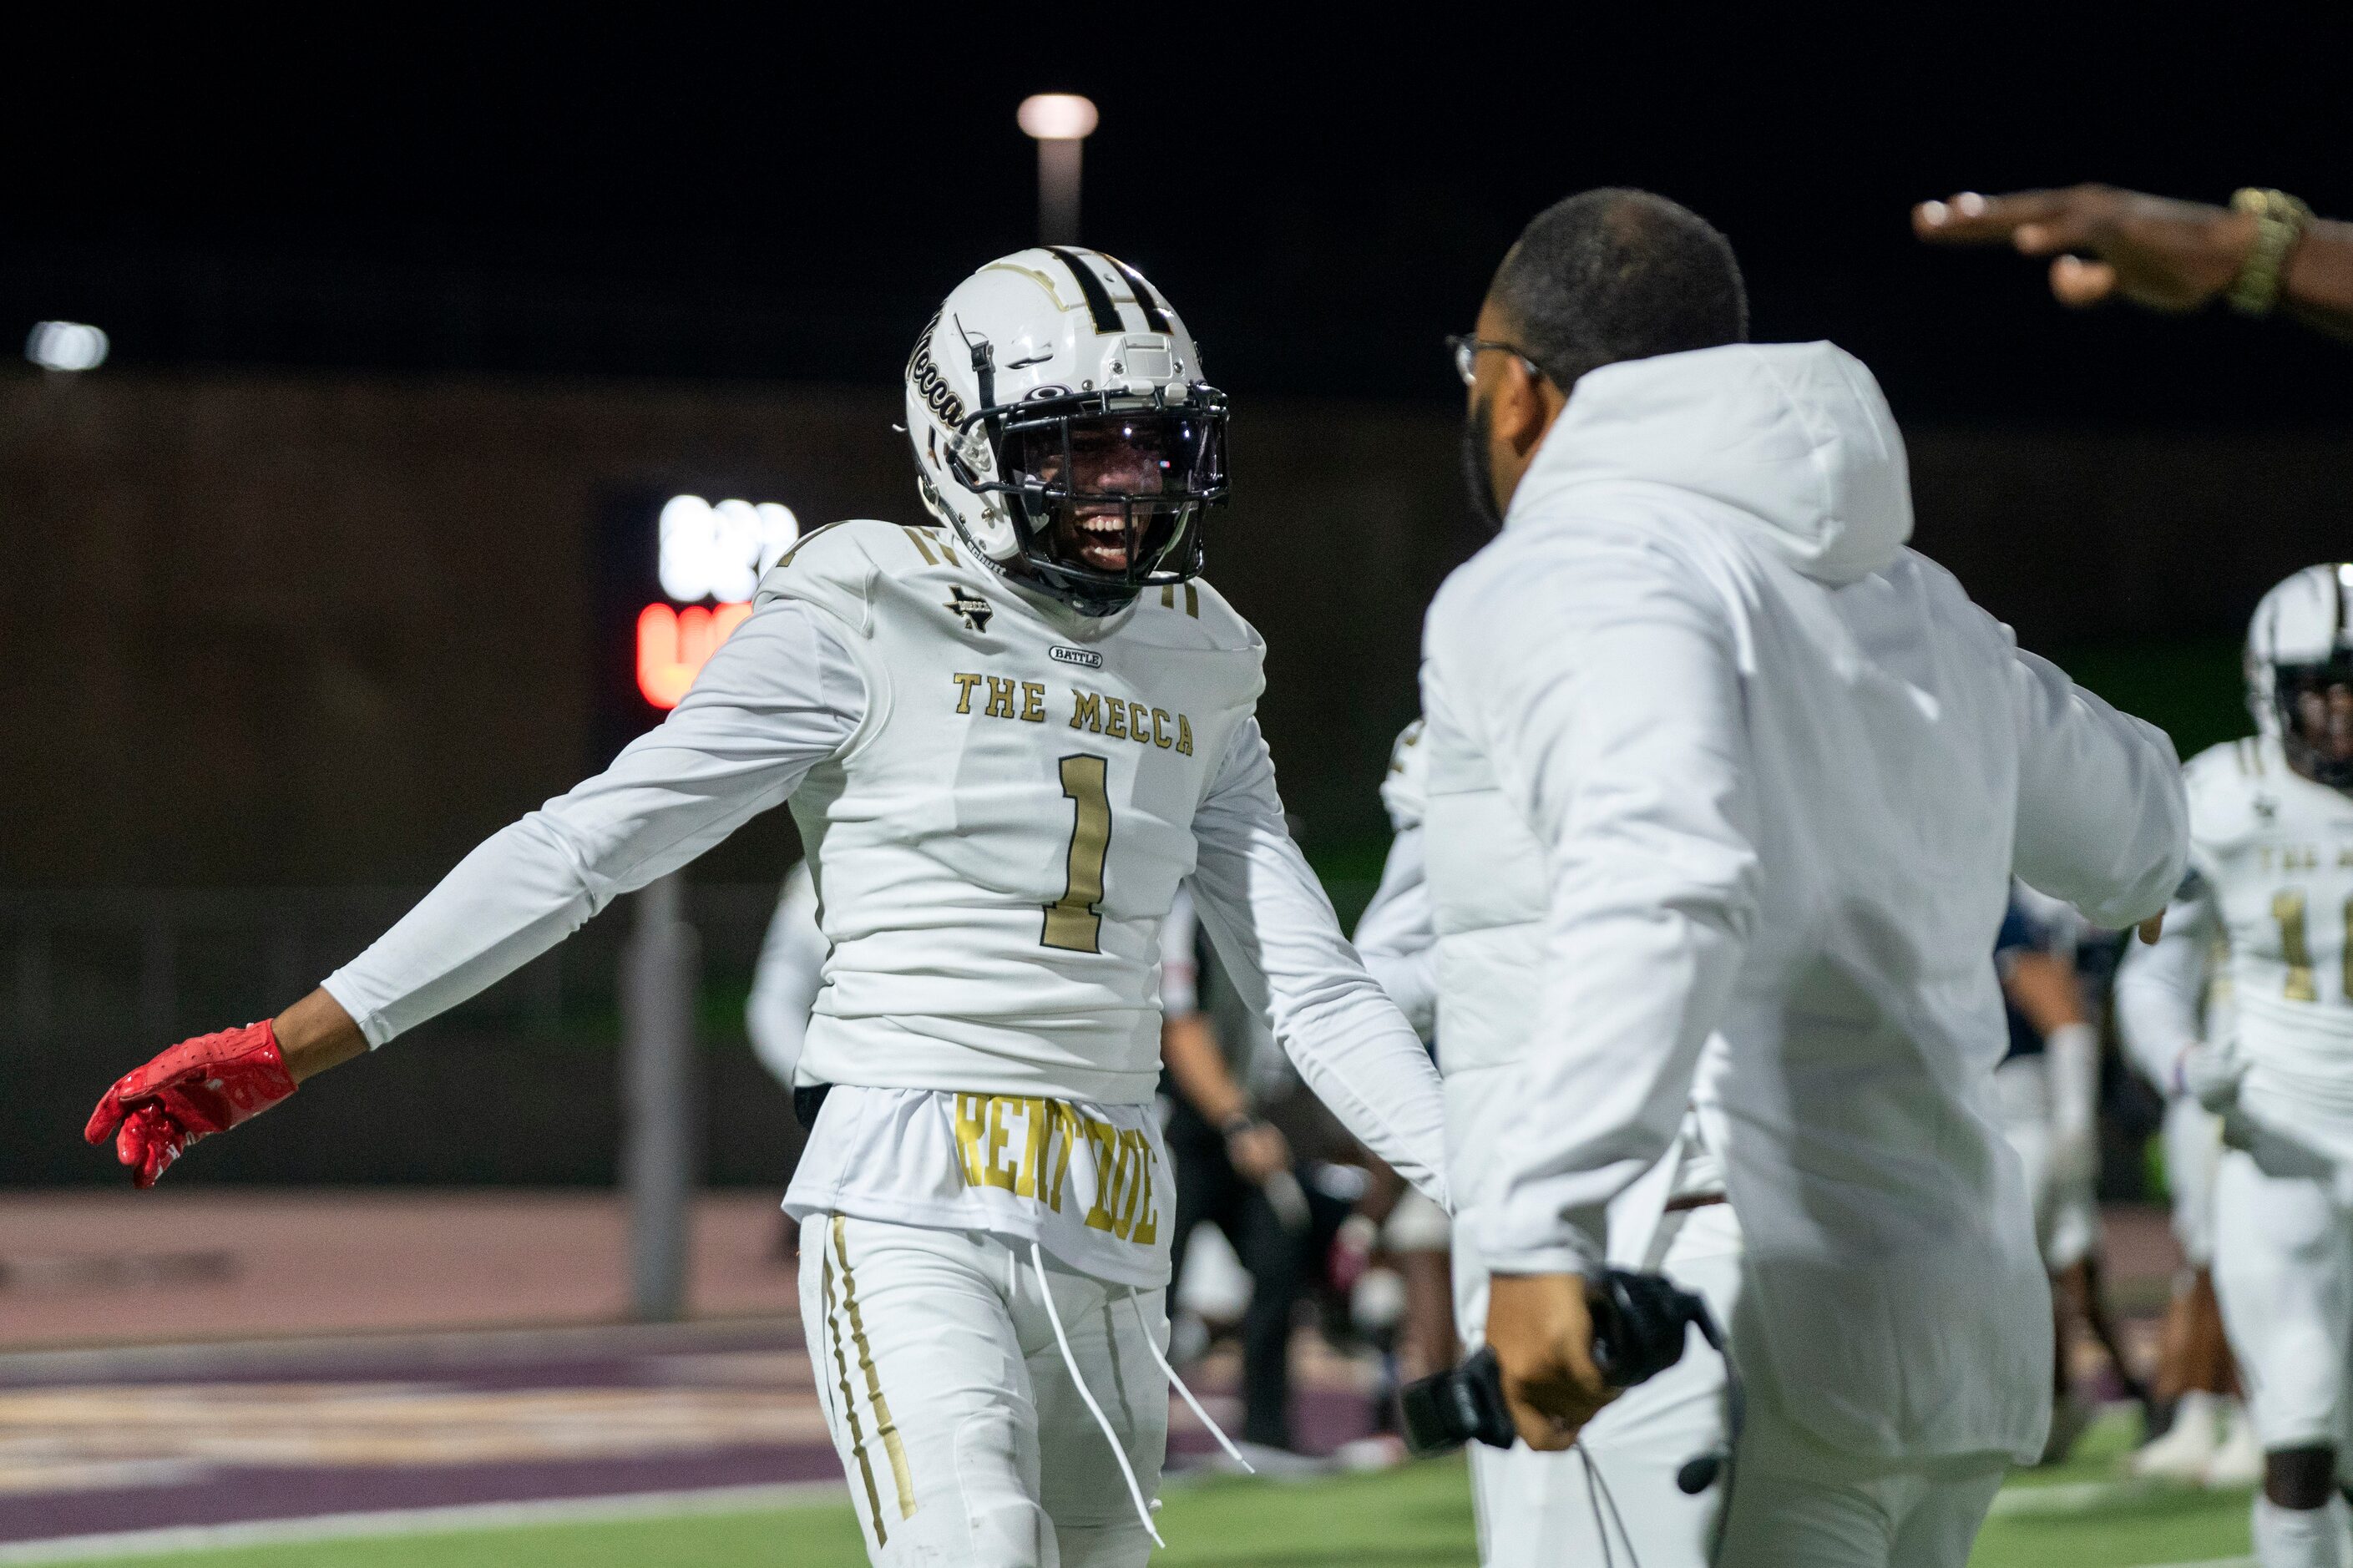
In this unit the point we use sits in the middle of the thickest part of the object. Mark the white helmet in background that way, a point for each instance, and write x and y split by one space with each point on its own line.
1062 428
2299 644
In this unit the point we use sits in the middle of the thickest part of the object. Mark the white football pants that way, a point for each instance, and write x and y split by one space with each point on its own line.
2193 1155
966 1442
1541 1511
2283 1270
1796 1502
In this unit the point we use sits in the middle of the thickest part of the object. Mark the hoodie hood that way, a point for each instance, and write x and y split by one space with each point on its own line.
1795 437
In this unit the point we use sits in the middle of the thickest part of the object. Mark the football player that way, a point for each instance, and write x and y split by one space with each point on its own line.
2208 1437
785 983
1400 948
1006 733
1620 1485
2049 1090
2271 871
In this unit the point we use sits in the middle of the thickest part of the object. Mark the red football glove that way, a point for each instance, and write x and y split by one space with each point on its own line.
205 1085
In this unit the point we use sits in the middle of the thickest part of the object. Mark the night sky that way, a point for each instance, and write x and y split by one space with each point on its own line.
695 199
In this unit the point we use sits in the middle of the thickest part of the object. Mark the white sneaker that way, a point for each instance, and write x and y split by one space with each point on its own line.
2189 1446
1381 1451
2238 1461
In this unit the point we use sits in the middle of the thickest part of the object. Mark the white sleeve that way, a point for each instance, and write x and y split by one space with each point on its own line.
778 697
2159 988
2102 819
1281 946
1180 970
786 981
1394 936
1609 698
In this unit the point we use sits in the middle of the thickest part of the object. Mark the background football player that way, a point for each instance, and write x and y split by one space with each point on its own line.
1007 735
1399 949
784 985
2206 1438
2272 870
2049 1090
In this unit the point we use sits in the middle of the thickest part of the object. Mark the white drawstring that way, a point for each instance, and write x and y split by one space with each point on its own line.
1046 1288
1177 1383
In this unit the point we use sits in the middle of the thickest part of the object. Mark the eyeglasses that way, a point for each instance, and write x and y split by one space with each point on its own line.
1467 350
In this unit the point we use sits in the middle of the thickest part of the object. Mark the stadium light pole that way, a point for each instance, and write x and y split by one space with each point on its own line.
658 1084
1061 122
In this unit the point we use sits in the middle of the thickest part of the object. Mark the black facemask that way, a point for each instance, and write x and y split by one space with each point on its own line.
1478 473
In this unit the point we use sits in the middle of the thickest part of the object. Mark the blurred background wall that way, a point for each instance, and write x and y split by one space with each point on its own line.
284 646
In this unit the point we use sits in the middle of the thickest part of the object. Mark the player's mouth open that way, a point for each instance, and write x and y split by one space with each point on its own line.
1102 541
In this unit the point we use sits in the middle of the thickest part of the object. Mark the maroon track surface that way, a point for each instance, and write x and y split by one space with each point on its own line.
210 1357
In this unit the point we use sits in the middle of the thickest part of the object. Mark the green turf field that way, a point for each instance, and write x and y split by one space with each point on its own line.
2072 1517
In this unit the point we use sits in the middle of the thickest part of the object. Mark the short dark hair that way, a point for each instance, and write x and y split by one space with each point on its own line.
1615 274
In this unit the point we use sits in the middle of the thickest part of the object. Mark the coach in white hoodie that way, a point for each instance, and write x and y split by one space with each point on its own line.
1727 789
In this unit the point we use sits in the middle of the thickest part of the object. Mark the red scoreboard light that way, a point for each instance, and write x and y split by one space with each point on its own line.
708 551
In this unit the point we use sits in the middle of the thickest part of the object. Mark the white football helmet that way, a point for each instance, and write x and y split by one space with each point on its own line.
1062 425
2301 642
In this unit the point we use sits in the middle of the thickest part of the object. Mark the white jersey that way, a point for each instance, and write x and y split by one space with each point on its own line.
998 845
2271 877
999 798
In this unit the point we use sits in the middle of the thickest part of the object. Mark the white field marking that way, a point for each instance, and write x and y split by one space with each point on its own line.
444 1520
2211 1563
2079 1497
417 1353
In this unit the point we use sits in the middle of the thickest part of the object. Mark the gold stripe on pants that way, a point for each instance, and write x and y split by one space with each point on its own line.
849 1405
884 1428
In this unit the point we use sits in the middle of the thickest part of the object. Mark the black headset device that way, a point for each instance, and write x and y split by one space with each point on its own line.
1639 1322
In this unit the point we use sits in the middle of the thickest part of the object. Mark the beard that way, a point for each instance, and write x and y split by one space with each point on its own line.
1478 472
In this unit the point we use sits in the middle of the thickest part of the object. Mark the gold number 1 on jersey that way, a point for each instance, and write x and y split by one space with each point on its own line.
2287 909
1072 923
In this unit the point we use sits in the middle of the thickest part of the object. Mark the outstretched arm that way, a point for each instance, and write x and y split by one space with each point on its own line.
2102 819
2107 243
1282 946
779 696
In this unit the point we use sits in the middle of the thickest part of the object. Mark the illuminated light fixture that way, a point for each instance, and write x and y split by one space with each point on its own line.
66 345
1062 122
673 645
1057 116
717 550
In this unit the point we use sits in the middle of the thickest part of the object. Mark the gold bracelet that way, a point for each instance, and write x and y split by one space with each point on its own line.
2280 222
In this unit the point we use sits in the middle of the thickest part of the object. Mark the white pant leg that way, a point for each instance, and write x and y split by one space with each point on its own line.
966 1444
1539 1510
1085 1497
926 1391
2193 1153
2283 1270
1797 1501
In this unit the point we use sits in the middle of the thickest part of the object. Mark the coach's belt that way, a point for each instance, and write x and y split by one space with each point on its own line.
1690 1201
